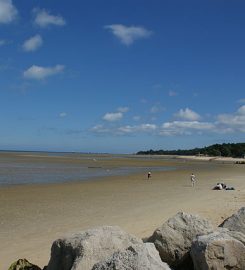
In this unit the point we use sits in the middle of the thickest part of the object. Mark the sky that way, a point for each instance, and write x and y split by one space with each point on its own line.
120 76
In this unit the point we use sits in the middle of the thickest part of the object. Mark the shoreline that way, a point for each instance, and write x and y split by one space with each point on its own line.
33 216
209 158
201 158
30 169
24 169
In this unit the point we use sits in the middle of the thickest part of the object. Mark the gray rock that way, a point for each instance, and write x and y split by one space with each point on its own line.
82 250
236 222
237 235
137 257
219 250
173 239
23 264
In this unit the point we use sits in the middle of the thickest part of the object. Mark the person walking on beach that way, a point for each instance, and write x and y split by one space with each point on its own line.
193 180
149 175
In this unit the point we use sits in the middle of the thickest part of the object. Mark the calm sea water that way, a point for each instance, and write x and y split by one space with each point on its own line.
24 171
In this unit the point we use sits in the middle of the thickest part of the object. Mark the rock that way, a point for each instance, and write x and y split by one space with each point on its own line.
219 250
137 257
173 239
82 250
236 222
23 264
237 235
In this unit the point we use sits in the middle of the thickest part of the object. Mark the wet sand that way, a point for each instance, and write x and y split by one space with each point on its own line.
33 216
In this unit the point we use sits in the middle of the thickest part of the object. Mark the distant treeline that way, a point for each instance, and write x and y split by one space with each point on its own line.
224 150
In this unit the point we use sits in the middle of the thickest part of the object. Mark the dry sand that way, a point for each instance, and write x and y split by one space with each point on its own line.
33 216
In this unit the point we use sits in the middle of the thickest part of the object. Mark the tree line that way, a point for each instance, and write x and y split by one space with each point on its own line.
223 150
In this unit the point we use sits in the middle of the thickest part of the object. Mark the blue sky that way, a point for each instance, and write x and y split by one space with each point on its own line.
121 76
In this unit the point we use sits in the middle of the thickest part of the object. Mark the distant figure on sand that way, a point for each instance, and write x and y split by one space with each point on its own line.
149 175
193 180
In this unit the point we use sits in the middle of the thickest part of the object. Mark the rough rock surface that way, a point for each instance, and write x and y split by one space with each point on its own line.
82 250
173 239
222 249
23 264
236 222
137 257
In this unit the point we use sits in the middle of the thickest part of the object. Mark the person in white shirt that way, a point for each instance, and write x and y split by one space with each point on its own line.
193 180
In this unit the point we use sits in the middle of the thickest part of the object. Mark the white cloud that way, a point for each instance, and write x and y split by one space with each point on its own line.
185 127
33 43
39 73
236 120
115 116
44 18
128 129
157 108
100 129
157 86
147 127
174 128
241 110
188 124
8 12
187 114
225 123
128 34
136 118
172 93
231 123
123 109
2 42
242 100
112 117
63 114
137 128
143 101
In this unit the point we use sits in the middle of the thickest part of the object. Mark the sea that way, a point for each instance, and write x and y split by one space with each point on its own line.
35 167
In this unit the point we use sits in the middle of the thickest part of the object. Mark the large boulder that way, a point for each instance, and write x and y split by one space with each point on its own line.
173 239
236 222
222 249
137 257
82 250
23 264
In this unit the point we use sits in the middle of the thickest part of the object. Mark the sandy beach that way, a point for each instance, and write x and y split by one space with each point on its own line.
33 216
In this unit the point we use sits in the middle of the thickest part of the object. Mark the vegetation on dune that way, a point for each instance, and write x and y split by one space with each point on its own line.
224 150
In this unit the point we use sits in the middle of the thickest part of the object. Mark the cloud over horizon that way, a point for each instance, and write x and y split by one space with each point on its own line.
112 117
125 130
8 12
189 124
232 122
185 127
174 128
44 18
137 128
187 114
115 116
39 73
128 34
